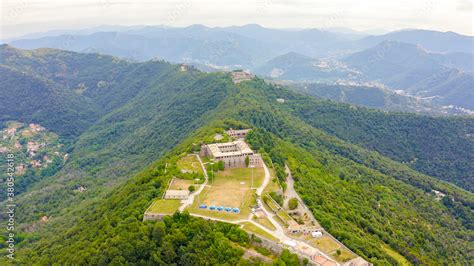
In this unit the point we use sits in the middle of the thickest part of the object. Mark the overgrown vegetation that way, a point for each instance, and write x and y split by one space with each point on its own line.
293 203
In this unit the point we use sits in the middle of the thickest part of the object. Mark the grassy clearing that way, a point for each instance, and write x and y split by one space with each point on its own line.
229 188
329 246
250 227
164 206
278 220
324 243
239 175
399 258
183 184
265 222
189 163
272 205
344 256
284 216
210 195
273 184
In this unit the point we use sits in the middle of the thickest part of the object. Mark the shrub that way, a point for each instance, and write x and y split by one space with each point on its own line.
293 203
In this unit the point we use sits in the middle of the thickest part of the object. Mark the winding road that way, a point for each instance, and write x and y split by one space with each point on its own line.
188 202
295 245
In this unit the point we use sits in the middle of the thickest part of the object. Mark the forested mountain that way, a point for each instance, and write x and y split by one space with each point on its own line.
107 81
431 82
374 97
374 64
408 57
434 41
298 67
29 98
376 131
410 68
427 64
365 174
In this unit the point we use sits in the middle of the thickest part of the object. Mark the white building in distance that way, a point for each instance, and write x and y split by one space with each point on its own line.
237 133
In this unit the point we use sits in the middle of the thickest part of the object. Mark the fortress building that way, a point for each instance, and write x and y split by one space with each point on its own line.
233 154
240 75
237 133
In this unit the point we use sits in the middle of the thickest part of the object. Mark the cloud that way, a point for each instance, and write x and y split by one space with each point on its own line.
465 6
37 15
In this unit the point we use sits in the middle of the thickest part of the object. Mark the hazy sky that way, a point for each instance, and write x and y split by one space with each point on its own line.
19 17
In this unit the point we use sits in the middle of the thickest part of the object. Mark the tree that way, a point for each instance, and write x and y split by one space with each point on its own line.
277 197
293 203
191 188
287 258
247 161
221 166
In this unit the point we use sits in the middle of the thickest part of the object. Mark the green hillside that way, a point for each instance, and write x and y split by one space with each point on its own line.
29 98
440 147
347 163
374 97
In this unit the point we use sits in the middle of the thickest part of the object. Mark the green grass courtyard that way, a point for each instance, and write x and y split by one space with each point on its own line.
164 206
229 188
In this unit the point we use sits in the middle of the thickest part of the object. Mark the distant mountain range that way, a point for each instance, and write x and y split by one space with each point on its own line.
298 67
245 46
442 78
434 41
447 77
422 63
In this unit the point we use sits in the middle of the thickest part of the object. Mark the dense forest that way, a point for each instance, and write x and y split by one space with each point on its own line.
29 98
354 167
440 147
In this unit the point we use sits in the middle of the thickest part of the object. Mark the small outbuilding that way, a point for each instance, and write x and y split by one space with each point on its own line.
177 194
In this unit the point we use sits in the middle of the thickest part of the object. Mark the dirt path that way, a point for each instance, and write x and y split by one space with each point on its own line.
190 200
291 193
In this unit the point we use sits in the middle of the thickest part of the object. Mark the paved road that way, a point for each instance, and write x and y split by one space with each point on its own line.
279 232
291 243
